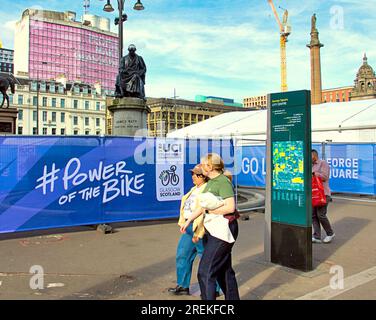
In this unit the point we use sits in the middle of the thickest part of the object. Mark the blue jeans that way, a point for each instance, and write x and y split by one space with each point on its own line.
216 265
185 255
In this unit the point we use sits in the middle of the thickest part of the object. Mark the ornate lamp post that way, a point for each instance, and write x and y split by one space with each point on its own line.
121 18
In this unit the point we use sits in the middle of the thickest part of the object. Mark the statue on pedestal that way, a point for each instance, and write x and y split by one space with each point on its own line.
5 83
130 81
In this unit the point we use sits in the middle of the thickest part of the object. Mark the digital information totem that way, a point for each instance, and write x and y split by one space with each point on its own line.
288 236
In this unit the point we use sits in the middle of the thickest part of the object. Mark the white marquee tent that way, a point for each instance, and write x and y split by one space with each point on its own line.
353 121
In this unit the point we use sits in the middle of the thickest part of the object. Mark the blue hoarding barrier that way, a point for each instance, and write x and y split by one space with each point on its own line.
352 166
48 182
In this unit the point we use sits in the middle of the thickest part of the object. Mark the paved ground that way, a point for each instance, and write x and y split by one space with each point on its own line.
138 261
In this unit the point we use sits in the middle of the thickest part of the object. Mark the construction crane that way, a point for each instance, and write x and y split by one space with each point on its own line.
285 31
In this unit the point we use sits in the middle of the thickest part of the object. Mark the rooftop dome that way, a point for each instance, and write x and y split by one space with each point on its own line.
365 71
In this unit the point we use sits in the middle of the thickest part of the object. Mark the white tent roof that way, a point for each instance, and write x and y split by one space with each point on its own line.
353 121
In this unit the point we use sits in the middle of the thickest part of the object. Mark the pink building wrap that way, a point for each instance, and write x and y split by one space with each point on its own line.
79 53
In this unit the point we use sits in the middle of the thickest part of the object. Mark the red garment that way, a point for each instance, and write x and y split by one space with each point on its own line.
232 216
318 192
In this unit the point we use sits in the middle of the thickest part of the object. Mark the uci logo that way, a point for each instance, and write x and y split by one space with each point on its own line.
169 176
170 147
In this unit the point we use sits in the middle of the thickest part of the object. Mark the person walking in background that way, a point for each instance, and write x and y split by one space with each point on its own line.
321 169
216 262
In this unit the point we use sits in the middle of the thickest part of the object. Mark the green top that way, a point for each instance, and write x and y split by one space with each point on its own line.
220 186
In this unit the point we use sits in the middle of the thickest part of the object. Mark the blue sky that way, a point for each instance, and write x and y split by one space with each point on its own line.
231 48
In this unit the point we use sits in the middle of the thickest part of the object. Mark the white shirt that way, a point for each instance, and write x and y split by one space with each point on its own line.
190 203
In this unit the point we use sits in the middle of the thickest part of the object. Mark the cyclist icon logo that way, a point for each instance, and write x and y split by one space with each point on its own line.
169 176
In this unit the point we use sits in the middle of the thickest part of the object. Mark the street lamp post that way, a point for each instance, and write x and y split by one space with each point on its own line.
118 21
38 88
122 18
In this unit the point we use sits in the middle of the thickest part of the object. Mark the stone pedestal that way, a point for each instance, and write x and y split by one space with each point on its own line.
129 116
8 117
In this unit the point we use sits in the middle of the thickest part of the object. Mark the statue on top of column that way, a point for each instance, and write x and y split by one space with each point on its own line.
313 20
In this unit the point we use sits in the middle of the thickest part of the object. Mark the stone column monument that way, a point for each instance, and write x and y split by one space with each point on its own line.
129 116
315 45
128 108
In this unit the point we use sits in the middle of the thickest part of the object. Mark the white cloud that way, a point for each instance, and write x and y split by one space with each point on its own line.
247 53
236 53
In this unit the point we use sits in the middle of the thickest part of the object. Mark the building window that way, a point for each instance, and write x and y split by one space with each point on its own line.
62 117
35 101
35 131
53 131
44 116
44 131
44 102
20 114
10 98
53 102
75 104
34 86
53 117
75 132
87 132
98 133
34 116
62 131
19 130
98 106
62 103
20 99
87 104
86 121
97 122
42 86
75 121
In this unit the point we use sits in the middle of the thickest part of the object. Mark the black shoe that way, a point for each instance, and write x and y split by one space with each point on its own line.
179 291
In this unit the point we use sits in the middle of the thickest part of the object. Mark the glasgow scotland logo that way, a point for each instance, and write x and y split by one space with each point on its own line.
169 177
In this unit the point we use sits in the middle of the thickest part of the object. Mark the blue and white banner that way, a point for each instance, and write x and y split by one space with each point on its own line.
48 182
352 167
252 161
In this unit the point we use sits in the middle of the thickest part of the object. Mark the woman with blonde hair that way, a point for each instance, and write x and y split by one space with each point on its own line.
215 264
190 244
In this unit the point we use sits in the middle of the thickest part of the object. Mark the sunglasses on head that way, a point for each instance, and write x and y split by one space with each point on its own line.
197 175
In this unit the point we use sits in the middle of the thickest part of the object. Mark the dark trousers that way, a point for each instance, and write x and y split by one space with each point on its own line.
319 219
216 265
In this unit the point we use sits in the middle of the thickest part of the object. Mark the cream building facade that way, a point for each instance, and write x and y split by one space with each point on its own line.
168 115
64 109
257 102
